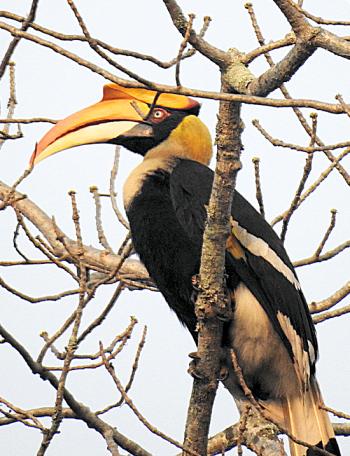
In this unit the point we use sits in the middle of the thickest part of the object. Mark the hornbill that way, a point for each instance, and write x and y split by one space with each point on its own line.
165 198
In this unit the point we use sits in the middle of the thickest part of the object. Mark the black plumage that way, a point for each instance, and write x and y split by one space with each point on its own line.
163 245
167 219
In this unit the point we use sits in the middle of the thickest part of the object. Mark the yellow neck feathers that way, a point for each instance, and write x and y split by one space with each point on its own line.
190 139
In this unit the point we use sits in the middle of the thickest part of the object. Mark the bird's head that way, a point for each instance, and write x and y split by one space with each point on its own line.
139 119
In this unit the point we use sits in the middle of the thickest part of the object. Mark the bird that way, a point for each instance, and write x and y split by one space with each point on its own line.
165 199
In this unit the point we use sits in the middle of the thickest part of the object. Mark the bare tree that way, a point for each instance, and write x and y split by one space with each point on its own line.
40 244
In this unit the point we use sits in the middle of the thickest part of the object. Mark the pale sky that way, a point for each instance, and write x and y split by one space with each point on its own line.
50 86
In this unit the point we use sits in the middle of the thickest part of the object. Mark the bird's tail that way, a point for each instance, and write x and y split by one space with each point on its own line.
303 418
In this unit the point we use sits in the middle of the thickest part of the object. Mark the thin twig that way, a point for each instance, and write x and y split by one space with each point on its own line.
132 406
331 301
132 375
301 185
114 172
315 185
183 45
287 95
337 413
308 149
327 233
93 44
28 121
81 411
103 314
25 263
22 415
123 337
15 41
106 46
37 412
321 20
331 314
101 235
258 192
39 244
14 240
343 104
322 257
32 300
296 200
11 106
72 343
55 336
288 40
45 336
334 108
10 198
112 351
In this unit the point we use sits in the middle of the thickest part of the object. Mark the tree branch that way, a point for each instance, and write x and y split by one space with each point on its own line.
295 18
15 41
332 300
284 70
95 259
332 43
241 98
287 95
80 410
214 54
212 300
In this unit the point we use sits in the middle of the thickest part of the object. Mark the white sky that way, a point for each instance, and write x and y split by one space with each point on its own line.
48 85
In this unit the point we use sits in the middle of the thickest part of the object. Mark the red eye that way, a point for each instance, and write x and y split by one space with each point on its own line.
159 114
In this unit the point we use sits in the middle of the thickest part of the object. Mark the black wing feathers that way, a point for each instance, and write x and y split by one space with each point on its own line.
190 187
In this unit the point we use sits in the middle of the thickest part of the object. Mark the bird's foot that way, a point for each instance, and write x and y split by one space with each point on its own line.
225 313
194 355
224 316
223 374
195 280
194 371
193 367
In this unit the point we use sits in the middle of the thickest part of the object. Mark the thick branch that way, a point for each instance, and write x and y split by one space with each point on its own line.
224 440
268 81
212 300
284 70
332 43
95 259
322 38
295 18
